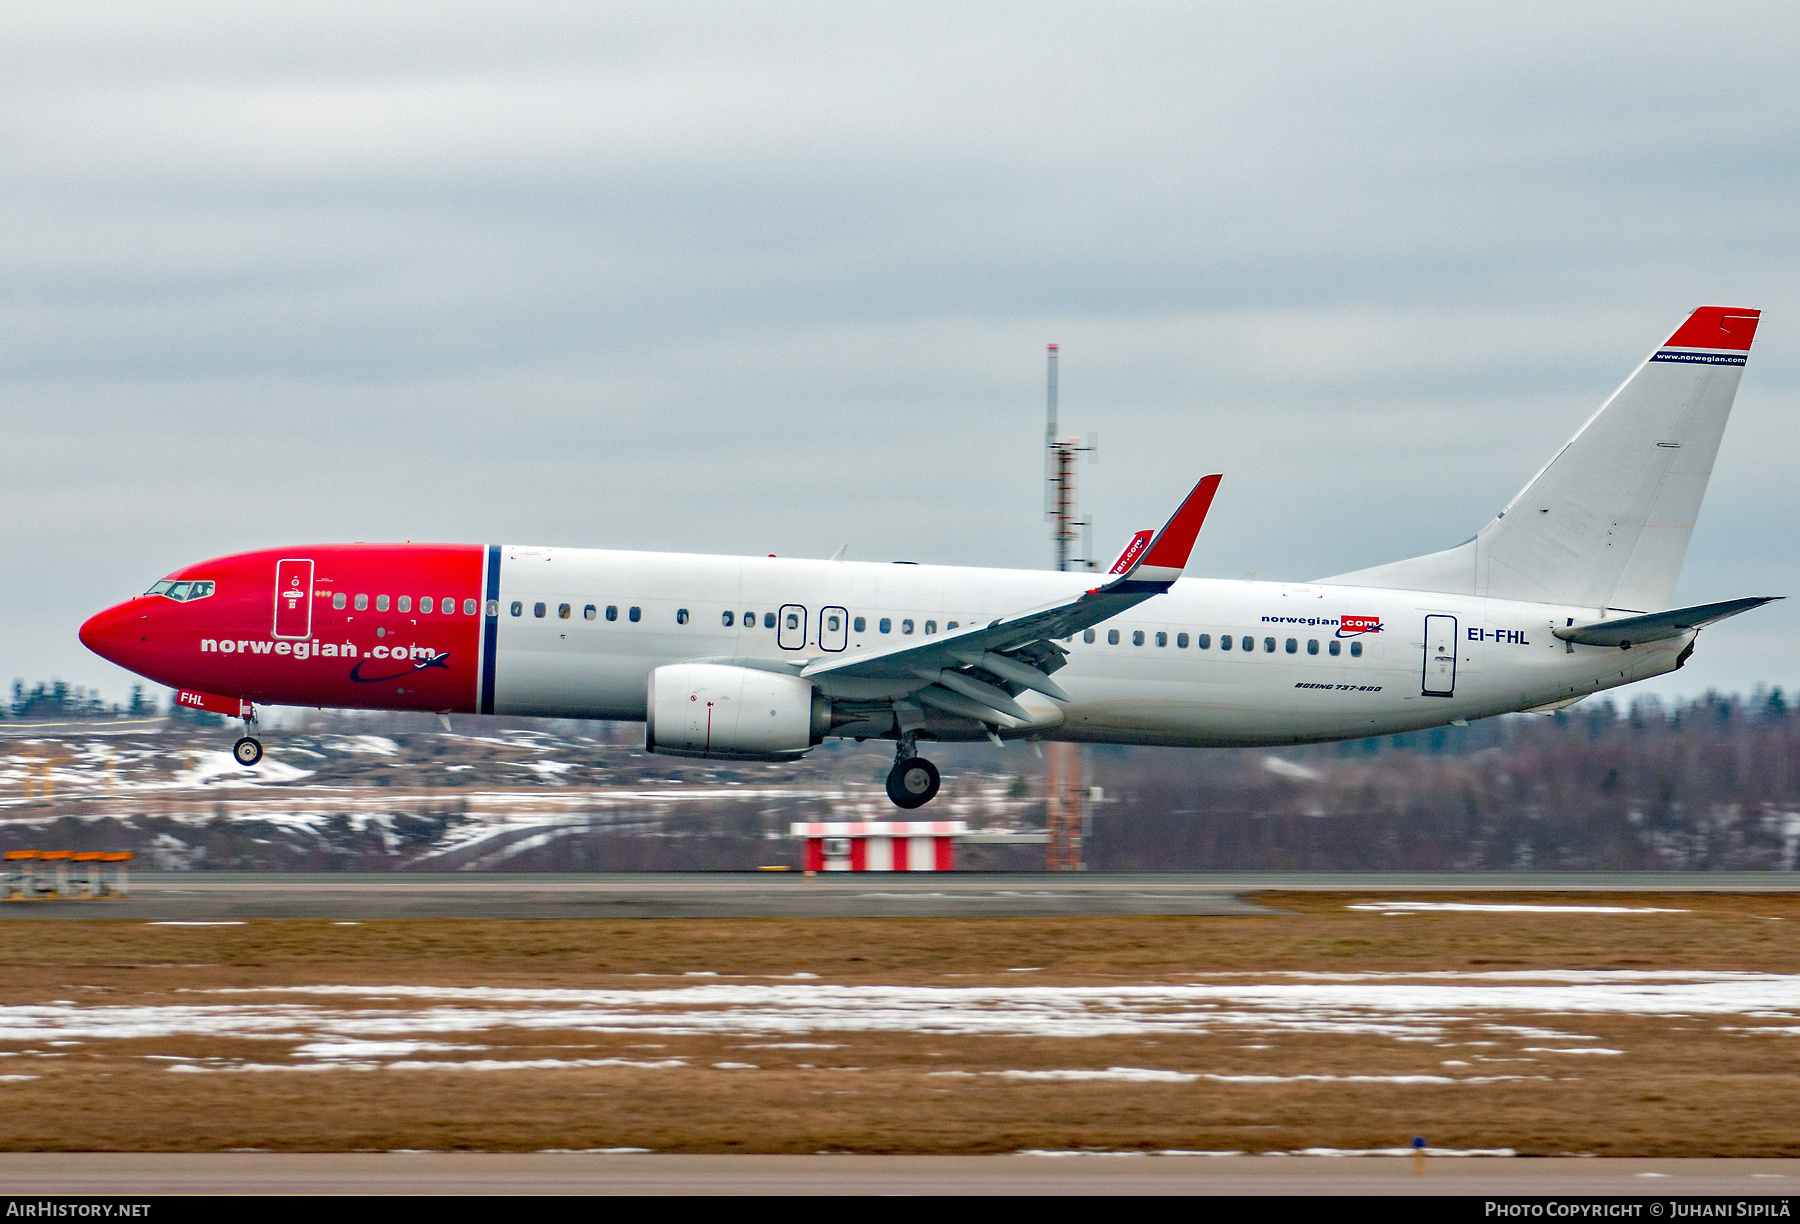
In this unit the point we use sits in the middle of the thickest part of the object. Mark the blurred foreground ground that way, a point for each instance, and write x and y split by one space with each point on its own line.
1628 1024
1709 786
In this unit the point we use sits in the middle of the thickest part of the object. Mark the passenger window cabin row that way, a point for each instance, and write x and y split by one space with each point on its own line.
404 603
729 619
1246 643
590 612
885 624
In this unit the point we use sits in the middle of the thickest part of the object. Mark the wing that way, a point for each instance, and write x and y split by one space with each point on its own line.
977 671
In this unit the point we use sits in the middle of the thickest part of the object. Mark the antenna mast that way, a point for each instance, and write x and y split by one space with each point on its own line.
1061 506
1062 761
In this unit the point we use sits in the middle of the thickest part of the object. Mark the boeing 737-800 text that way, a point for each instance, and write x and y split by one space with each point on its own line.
1565 593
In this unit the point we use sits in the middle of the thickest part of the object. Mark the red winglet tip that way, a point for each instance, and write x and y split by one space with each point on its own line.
1128 558
1717 327
1176 540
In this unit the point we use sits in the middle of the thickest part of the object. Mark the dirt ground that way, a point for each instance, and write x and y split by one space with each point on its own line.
1675 1085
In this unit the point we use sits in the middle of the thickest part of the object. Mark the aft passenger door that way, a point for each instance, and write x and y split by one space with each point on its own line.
1440 657
834 628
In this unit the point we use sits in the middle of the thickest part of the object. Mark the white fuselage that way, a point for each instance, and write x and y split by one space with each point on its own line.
1491 657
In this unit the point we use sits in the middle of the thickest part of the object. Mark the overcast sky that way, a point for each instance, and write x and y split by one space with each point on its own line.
776 278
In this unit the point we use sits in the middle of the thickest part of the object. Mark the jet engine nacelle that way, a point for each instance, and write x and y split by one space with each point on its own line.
735 713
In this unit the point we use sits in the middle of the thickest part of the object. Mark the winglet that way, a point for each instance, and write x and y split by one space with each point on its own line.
1133 551
1162 562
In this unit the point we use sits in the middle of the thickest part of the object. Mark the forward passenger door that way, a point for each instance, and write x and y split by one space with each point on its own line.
293 597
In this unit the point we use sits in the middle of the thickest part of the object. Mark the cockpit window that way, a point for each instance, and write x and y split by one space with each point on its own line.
181 592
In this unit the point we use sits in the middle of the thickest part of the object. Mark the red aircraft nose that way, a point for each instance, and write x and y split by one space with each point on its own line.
117 634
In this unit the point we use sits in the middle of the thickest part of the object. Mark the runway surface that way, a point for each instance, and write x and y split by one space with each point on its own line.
132 1173
196 896
225 896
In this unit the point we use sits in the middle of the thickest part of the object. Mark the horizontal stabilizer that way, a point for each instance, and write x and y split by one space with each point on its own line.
1658 626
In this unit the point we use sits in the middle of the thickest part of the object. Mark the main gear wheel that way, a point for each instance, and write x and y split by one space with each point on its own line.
913 782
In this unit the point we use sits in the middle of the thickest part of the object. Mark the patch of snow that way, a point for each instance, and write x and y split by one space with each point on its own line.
1396 1151
256 1068
1501 975
207 766
1288 769
379 745
1322 1151
1192 1152
374 1049
1053 1152
792 1014
512 849
1583 1050
1138 1075
1480 907
1364 1079
533 1064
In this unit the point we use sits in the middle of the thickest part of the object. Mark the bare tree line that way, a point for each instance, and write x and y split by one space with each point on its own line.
1701 785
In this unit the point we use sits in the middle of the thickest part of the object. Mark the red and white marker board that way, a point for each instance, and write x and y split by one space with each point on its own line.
879 845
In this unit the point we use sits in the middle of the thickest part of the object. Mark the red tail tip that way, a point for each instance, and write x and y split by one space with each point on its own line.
1717 327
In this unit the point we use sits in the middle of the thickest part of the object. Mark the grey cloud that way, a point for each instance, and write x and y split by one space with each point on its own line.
767 279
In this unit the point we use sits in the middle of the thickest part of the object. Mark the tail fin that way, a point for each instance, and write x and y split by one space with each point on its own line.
1606 524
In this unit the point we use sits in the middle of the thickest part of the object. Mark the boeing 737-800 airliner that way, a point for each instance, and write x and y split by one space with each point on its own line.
1565 593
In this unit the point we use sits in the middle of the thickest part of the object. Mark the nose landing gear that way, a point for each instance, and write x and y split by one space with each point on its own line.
248 750
913 782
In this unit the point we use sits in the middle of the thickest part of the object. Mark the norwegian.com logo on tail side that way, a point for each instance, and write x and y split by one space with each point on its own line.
1355 626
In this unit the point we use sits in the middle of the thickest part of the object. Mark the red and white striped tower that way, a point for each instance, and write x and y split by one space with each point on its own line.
1062 762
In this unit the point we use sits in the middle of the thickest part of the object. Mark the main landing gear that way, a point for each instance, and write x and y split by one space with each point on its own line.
913 782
